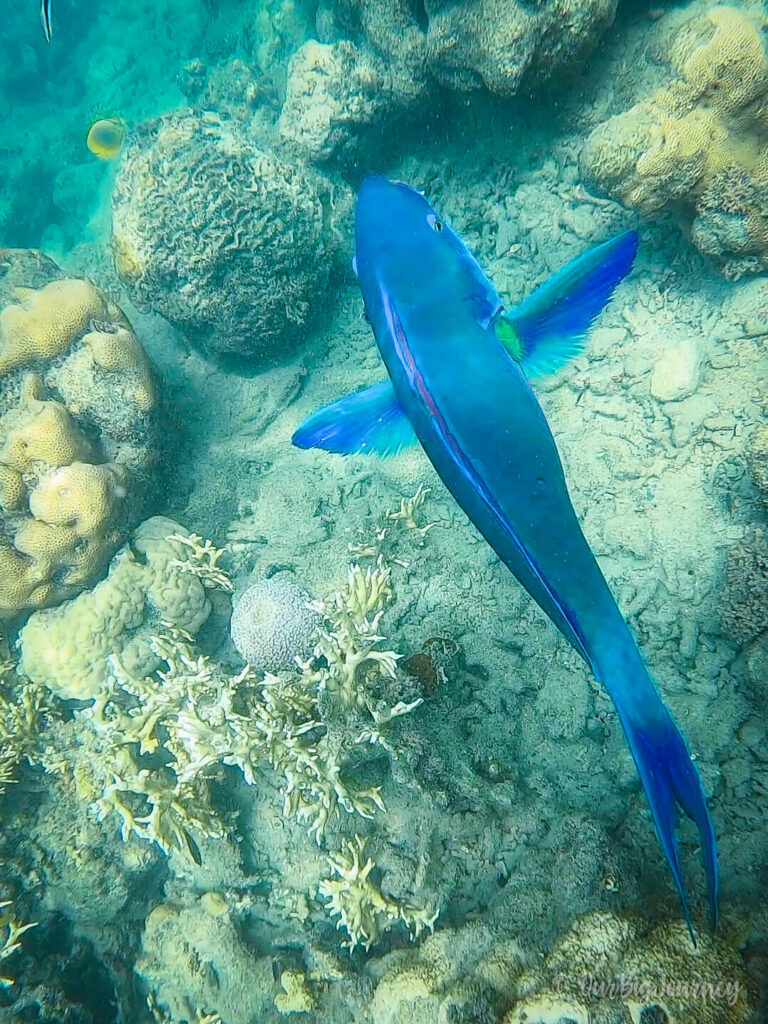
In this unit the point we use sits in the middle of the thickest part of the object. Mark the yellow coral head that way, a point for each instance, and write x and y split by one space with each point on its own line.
106 137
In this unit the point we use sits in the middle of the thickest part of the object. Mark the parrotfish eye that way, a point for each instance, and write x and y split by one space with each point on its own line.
434 222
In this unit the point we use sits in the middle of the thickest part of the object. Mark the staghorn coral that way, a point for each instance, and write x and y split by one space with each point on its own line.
272 624
359 904
149 583
77 432
700 143
199 235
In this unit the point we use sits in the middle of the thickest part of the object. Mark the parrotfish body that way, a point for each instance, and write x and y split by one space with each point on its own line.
459 368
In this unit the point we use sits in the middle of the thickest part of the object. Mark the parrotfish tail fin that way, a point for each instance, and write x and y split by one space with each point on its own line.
551 325
670 780
370 422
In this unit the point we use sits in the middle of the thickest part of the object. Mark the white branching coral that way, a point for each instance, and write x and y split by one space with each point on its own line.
202 561
349 643
10 936
360 905
24 708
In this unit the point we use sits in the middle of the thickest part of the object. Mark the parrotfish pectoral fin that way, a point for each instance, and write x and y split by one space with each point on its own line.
370 422
551 325
670 779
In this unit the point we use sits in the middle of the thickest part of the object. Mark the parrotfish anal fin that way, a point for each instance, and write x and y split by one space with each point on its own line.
670 780
370 422
551 325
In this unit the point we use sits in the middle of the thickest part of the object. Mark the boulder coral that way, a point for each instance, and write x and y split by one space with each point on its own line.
77 431
231 243
698 146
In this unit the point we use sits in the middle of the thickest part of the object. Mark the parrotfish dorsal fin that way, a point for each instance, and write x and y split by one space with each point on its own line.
369 422
551 326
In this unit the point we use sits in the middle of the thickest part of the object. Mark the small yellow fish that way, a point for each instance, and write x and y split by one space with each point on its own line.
106 137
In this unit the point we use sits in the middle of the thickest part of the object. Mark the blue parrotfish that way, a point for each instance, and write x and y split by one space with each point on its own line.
45 18
460 368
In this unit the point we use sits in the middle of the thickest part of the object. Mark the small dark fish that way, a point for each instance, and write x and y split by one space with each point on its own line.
45 17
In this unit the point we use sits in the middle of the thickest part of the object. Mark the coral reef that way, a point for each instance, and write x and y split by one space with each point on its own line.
605 969
698 145
272 624
151 581
199 235
338 94
77 431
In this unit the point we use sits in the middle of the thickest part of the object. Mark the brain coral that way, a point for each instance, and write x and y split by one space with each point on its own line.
271 624
67 648
377 58
700 144
227 241
77 430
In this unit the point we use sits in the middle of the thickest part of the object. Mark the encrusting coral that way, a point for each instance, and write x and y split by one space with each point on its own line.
199 234
77 402
699 145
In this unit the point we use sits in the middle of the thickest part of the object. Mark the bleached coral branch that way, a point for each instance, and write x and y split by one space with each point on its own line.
10 935
202 561
360 905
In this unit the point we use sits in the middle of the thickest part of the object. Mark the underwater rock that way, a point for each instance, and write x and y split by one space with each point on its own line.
195 962
77 431
608 968
698 145
335 95
743 600
271 624
491 44
150 582
378 61
676 373
231 243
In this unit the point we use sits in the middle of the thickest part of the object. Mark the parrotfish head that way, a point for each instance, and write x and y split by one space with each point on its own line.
398 232
404 245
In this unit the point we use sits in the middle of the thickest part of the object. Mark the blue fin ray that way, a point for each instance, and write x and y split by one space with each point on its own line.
370 422
550 327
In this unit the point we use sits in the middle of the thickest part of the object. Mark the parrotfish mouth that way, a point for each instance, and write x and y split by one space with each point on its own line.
459 370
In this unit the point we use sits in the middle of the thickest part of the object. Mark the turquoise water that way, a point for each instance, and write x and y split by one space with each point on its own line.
282 737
